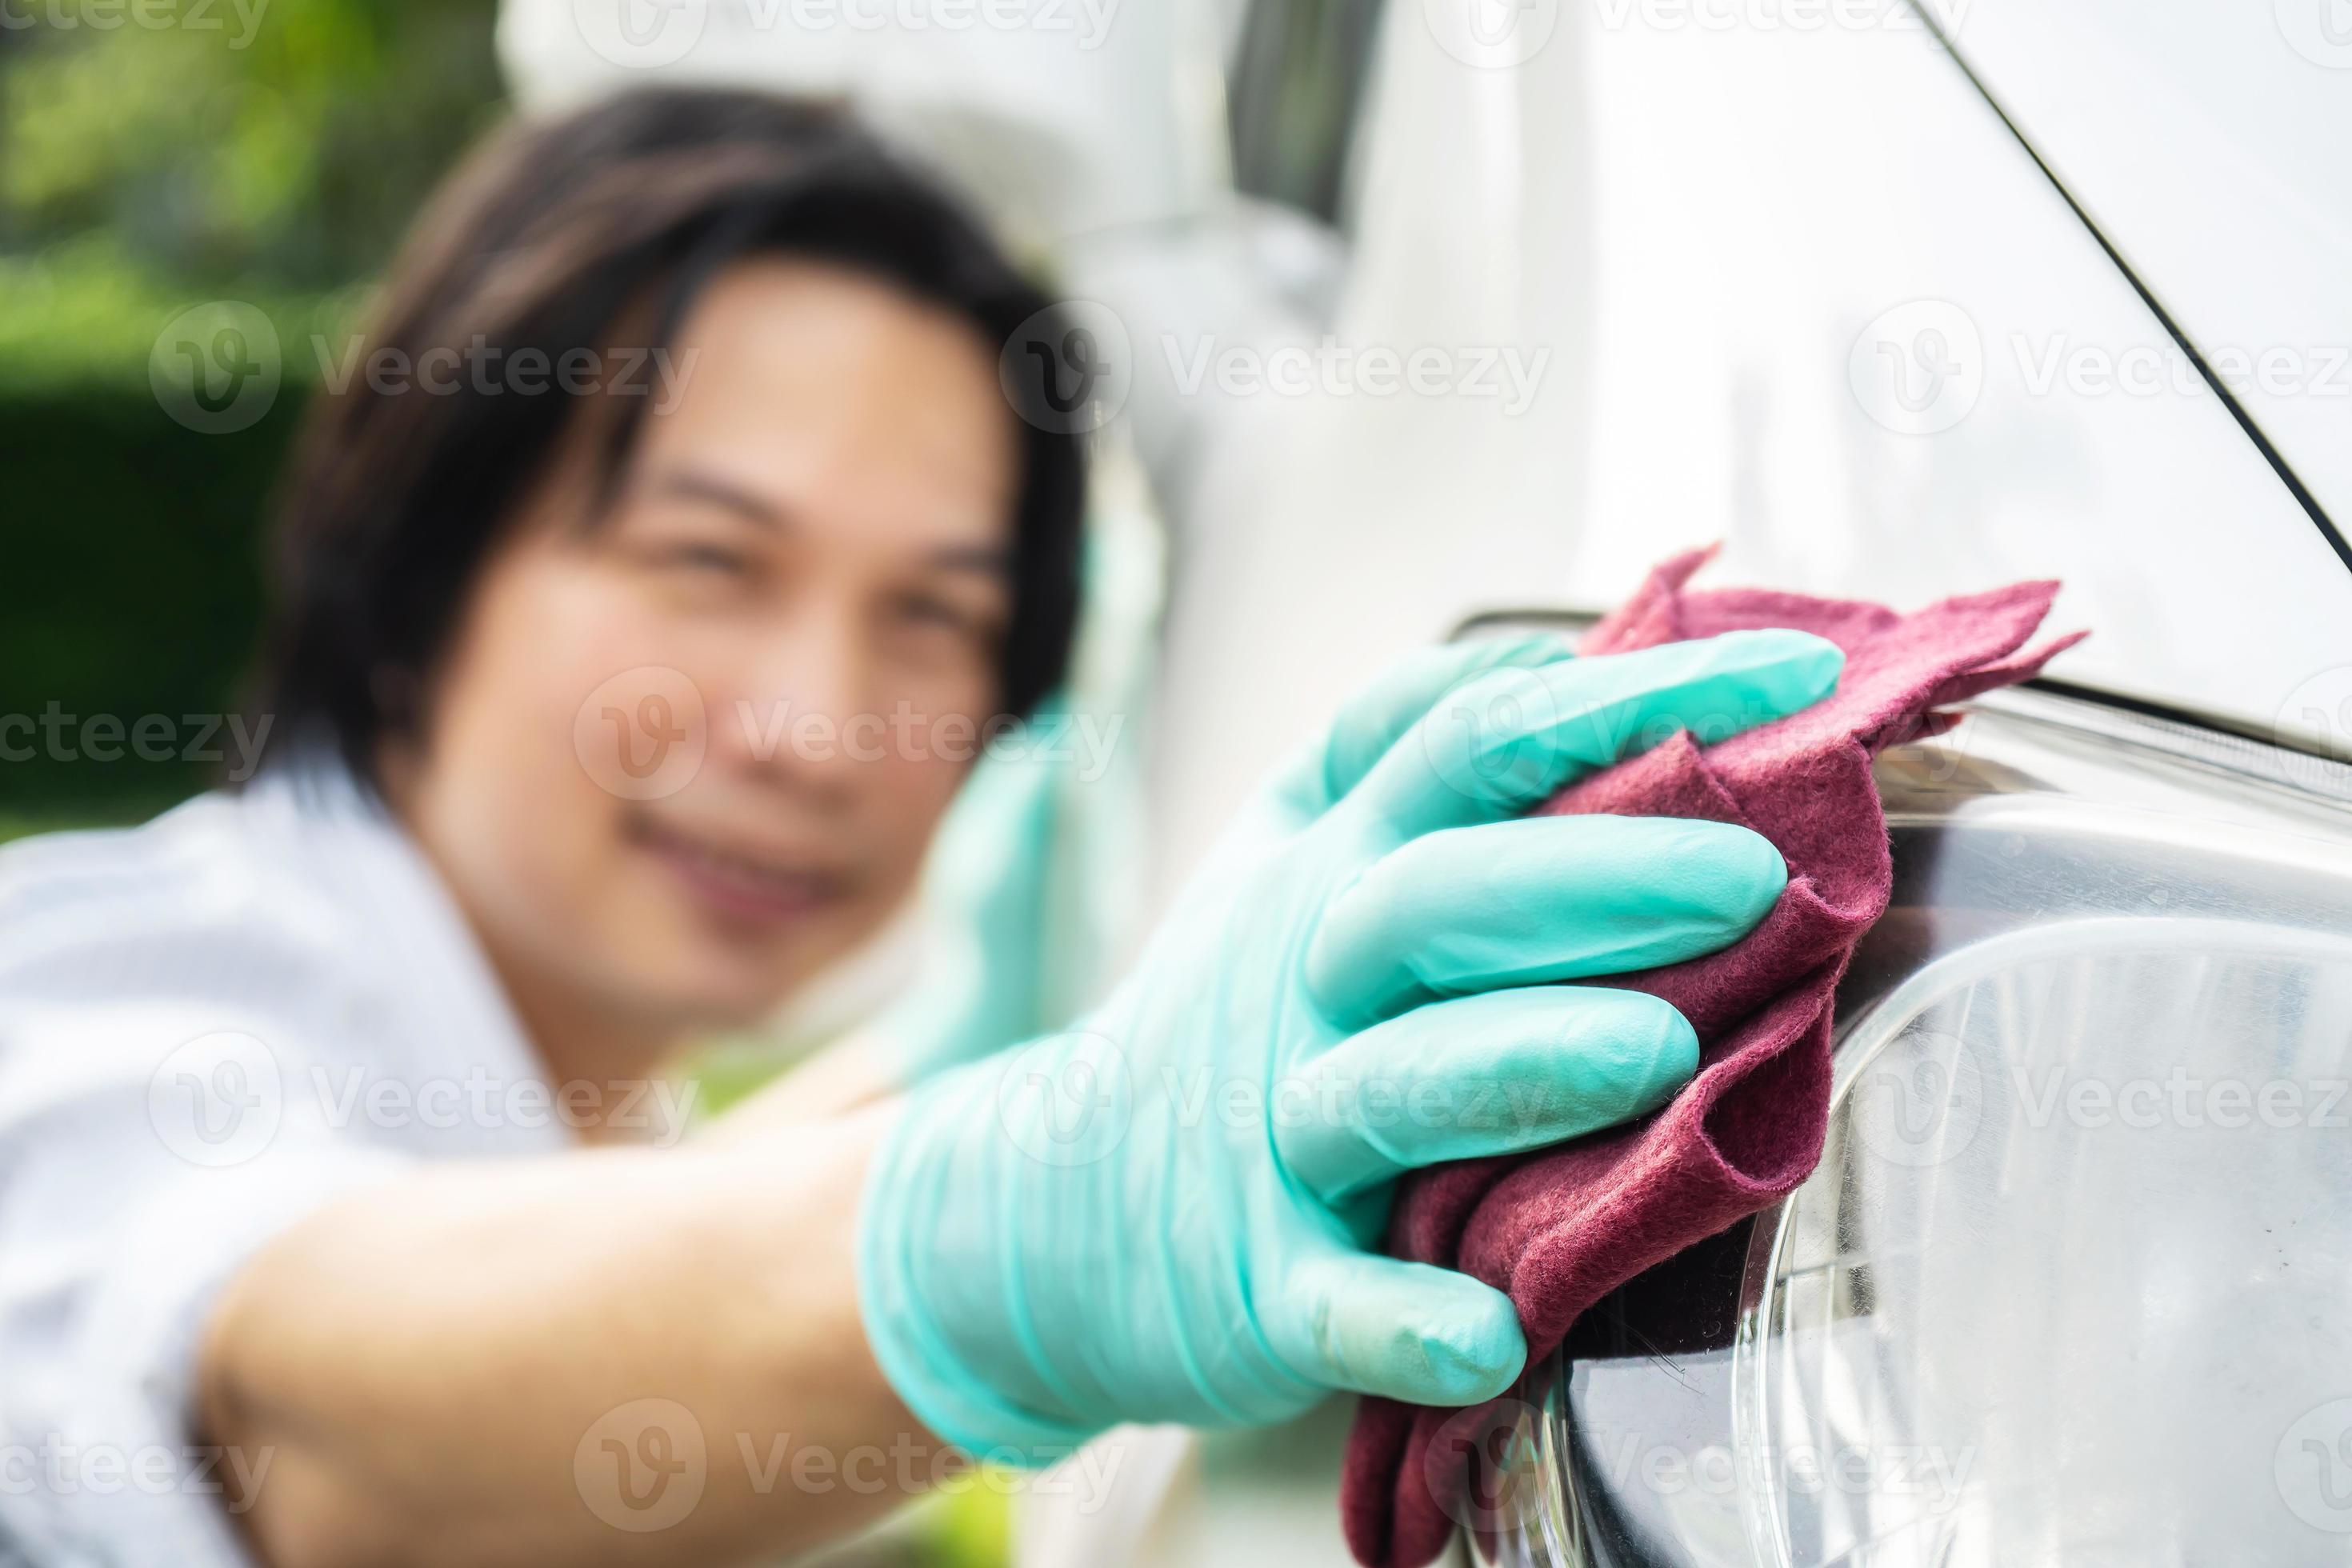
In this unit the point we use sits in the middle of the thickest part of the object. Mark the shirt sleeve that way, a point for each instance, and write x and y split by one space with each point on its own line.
153 1137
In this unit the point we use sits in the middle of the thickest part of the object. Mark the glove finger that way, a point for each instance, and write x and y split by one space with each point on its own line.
1497 1074
1335 761
1405 1331
1506 740
1541 899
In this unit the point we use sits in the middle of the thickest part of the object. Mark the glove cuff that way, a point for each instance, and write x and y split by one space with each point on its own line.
900 1235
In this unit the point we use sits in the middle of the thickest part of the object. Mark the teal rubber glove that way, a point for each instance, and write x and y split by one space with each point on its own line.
1167 1212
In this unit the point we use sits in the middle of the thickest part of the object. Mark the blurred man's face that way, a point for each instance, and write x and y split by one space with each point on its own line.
802 584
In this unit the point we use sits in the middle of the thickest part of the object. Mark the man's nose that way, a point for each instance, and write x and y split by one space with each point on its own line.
805 700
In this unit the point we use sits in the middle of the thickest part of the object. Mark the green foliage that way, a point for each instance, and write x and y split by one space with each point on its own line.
83 313
269 143
133 585
155 154
972 1529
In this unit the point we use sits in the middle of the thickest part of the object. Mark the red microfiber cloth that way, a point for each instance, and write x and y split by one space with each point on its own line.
1558 1230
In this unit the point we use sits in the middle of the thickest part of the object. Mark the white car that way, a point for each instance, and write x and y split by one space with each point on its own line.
1897 304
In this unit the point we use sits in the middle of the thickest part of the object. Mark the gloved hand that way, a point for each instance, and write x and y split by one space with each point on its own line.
1164 1213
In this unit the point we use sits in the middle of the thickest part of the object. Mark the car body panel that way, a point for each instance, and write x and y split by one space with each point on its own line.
2207 144
1877 219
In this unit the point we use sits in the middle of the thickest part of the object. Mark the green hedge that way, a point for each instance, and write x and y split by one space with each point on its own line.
132 588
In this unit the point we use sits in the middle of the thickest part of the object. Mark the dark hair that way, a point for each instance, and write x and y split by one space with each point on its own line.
550 234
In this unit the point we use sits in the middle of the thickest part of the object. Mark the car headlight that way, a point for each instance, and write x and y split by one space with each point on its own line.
2072 1282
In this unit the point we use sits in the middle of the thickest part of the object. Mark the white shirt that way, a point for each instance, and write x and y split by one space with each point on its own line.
210 1026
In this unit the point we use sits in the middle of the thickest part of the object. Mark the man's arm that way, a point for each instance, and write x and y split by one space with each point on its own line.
449 1368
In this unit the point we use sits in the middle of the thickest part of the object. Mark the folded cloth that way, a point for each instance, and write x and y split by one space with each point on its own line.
1558 1230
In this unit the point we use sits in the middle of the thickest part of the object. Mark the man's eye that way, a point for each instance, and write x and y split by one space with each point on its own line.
925 610
711 560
